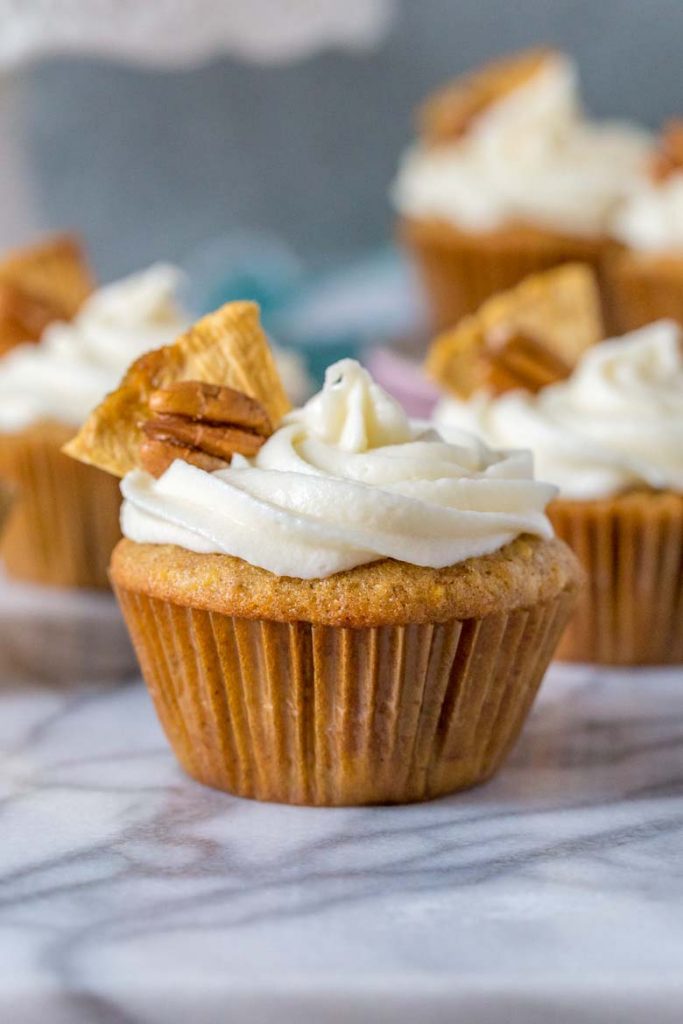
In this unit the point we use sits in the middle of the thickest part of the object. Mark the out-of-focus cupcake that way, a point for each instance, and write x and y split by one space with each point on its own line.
65 520
611 437
646 277
508 178
40 284
351 612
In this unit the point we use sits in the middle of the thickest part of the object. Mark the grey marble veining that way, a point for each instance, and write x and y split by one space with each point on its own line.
130 894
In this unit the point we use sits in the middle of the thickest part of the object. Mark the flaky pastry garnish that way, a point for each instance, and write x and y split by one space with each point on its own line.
149 412
528 337
448 113
39 284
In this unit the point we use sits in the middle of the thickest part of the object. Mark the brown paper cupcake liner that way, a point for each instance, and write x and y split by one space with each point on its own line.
308 714
631 611
461 270
643 289
64 521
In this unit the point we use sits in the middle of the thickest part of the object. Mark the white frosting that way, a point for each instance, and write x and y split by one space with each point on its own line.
652 219
531 157
346 480
616 423
75 364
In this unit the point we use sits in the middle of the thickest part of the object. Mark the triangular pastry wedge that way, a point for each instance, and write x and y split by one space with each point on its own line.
528 337
227 348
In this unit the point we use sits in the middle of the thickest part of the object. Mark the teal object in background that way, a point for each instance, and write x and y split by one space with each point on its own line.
324 314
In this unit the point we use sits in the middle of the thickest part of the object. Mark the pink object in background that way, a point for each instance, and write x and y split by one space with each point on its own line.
403 378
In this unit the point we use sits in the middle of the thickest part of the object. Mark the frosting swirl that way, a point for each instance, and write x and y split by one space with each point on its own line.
75 364
346 480
616 423
652 219
530 157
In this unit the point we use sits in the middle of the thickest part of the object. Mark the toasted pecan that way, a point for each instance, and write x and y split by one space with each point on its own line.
205 424
211 403
226 348
669 157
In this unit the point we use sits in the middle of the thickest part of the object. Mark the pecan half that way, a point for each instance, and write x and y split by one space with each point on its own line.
523 362
669 157
204 424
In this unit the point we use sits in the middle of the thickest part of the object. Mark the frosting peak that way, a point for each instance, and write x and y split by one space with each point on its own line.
346 480
353 413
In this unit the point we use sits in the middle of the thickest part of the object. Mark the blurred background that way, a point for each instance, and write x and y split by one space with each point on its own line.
156 141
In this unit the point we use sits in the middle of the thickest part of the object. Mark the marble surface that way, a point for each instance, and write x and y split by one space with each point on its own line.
130 894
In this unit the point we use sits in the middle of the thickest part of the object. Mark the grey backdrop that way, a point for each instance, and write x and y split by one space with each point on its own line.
150 164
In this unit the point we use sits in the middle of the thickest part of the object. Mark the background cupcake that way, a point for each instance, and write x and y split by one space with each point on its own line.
646 277
357 613
509 177
64 522
611 437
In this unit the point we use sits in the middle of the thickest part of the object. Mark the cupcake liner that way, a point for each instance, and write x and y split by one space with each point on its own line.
308 714
644 289
460 270
65 520
631 611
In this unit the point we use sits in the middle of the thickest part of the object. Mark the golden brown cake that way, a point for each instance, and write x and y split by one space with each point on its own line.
631 545
459 270
610 435
64 523
39 284
645 276
65 517
507 178
389 683
289 655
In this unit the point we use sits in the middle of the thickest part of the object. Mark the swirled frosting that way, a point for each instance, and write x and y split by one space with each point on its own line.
616 423
532 157
348 479
652 218
75 364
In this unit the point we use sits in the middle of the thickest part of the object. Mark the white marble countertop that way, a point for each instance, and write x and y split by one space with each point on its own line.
130 894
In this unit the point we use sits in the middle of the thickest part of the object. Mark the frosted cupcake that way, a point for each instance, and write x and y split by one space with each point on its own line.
509 177
65 520
611 437
646 277
351 611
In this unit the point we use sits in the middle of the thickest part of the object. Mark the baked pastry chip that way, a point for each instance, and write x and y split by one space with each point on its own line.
42 283
448 113
528 337
226 348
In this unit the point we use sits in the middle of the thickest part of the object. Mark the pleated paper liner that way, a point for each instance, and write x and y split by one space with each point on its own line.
325 715
631 611
460 270
64 521
644 288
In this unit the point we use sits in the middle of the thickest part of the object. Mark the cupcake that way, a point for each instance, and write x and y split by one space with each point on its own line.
509 177
41 284
646 276
65 520
330 606
611 437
